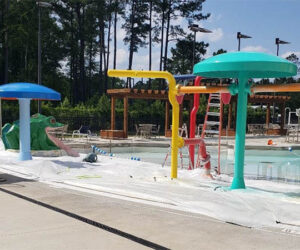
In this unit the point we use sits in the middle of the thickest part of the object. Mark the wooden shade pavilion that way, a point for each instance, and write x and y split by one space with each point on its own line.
270 100
126 94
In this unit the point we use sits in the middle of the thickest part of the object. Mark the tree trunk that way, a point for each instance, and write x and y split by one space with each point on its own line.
115 41
101 39
108 44
131 43
26 62
73 61
167 34
90 68
108 51
104 58
81 53
150 40
6 43
162 40
108 39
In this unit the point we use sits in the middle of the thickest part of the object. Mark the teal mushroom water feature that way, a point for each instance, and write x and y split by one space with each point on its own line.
243 66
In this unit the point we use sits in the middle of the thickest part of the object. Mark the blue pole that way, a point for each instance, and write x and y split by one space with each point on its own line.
25 153
238 178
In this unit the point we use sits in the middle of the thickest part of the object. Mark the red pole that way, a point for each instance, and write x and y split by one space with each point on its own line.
193 122
220 133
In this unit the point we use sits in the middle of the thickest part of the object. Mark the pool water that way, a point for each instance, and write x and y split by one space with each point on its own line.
274 165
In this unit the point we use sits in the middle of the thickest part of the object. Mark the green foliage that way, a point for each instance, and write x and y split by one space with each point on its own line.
104 104
182 54
256 115
157 108
219 51
66 103
135 25
293 58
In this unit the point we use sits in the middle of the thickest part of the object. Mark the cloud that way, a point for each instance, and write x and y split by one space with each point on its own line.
254 48
141 60
122 58
120 34
208 53
214 18
179 21
286 54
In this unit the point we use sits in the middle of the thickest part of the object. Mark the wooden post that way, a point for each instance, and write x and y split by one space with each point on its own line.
113 113
235 111
191 108
282 108
180 114
125 116
268 115
229 116
167 117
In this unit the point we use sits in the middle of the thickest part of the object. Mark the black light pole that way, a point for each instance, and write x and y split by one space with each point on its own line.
39 55
45 5
195 28
6 10
239 35
277 42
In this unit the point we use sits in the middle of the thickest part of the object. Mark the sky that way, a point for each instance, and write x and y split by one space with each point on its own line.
264 20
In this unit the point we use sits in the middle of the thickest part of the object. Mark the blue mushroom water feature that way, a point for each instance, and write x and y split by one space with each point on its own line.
24 92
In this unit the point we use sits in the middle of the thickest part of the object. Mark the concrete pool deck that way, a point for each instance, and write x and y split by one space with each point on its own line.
27 225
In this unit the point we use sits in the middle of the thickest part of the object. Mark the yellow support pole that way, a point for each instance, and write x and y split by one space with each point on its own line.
176 140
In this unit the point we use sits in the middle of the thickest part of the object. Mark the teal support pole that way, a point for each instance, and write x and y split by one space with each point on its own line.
25 153
238 178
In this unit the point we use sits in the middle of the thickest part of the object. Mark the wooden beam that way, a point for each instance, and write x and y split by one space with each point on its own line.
268 115
282 108
180 114
235 111
142 94
268 99
191 104
229 116
163 95
125 117
118 91
167 116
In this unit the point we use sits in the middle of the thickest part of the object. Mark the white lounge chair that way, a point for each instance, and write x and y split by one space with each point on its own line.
83 131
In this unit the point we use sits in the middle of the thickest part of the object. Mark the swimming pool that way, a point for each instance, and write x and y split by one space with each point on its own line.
273 165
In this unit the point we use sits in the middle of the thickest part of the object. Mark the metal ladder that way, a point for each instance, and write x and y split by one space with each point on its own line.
213 121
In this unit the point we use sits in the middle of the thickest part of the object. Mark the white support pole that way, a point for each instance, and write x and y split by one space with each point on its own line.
0 117
25 153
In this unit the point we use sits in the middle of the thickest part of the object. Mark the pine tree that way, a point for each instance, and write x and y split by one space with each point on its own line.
136 28
181 62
